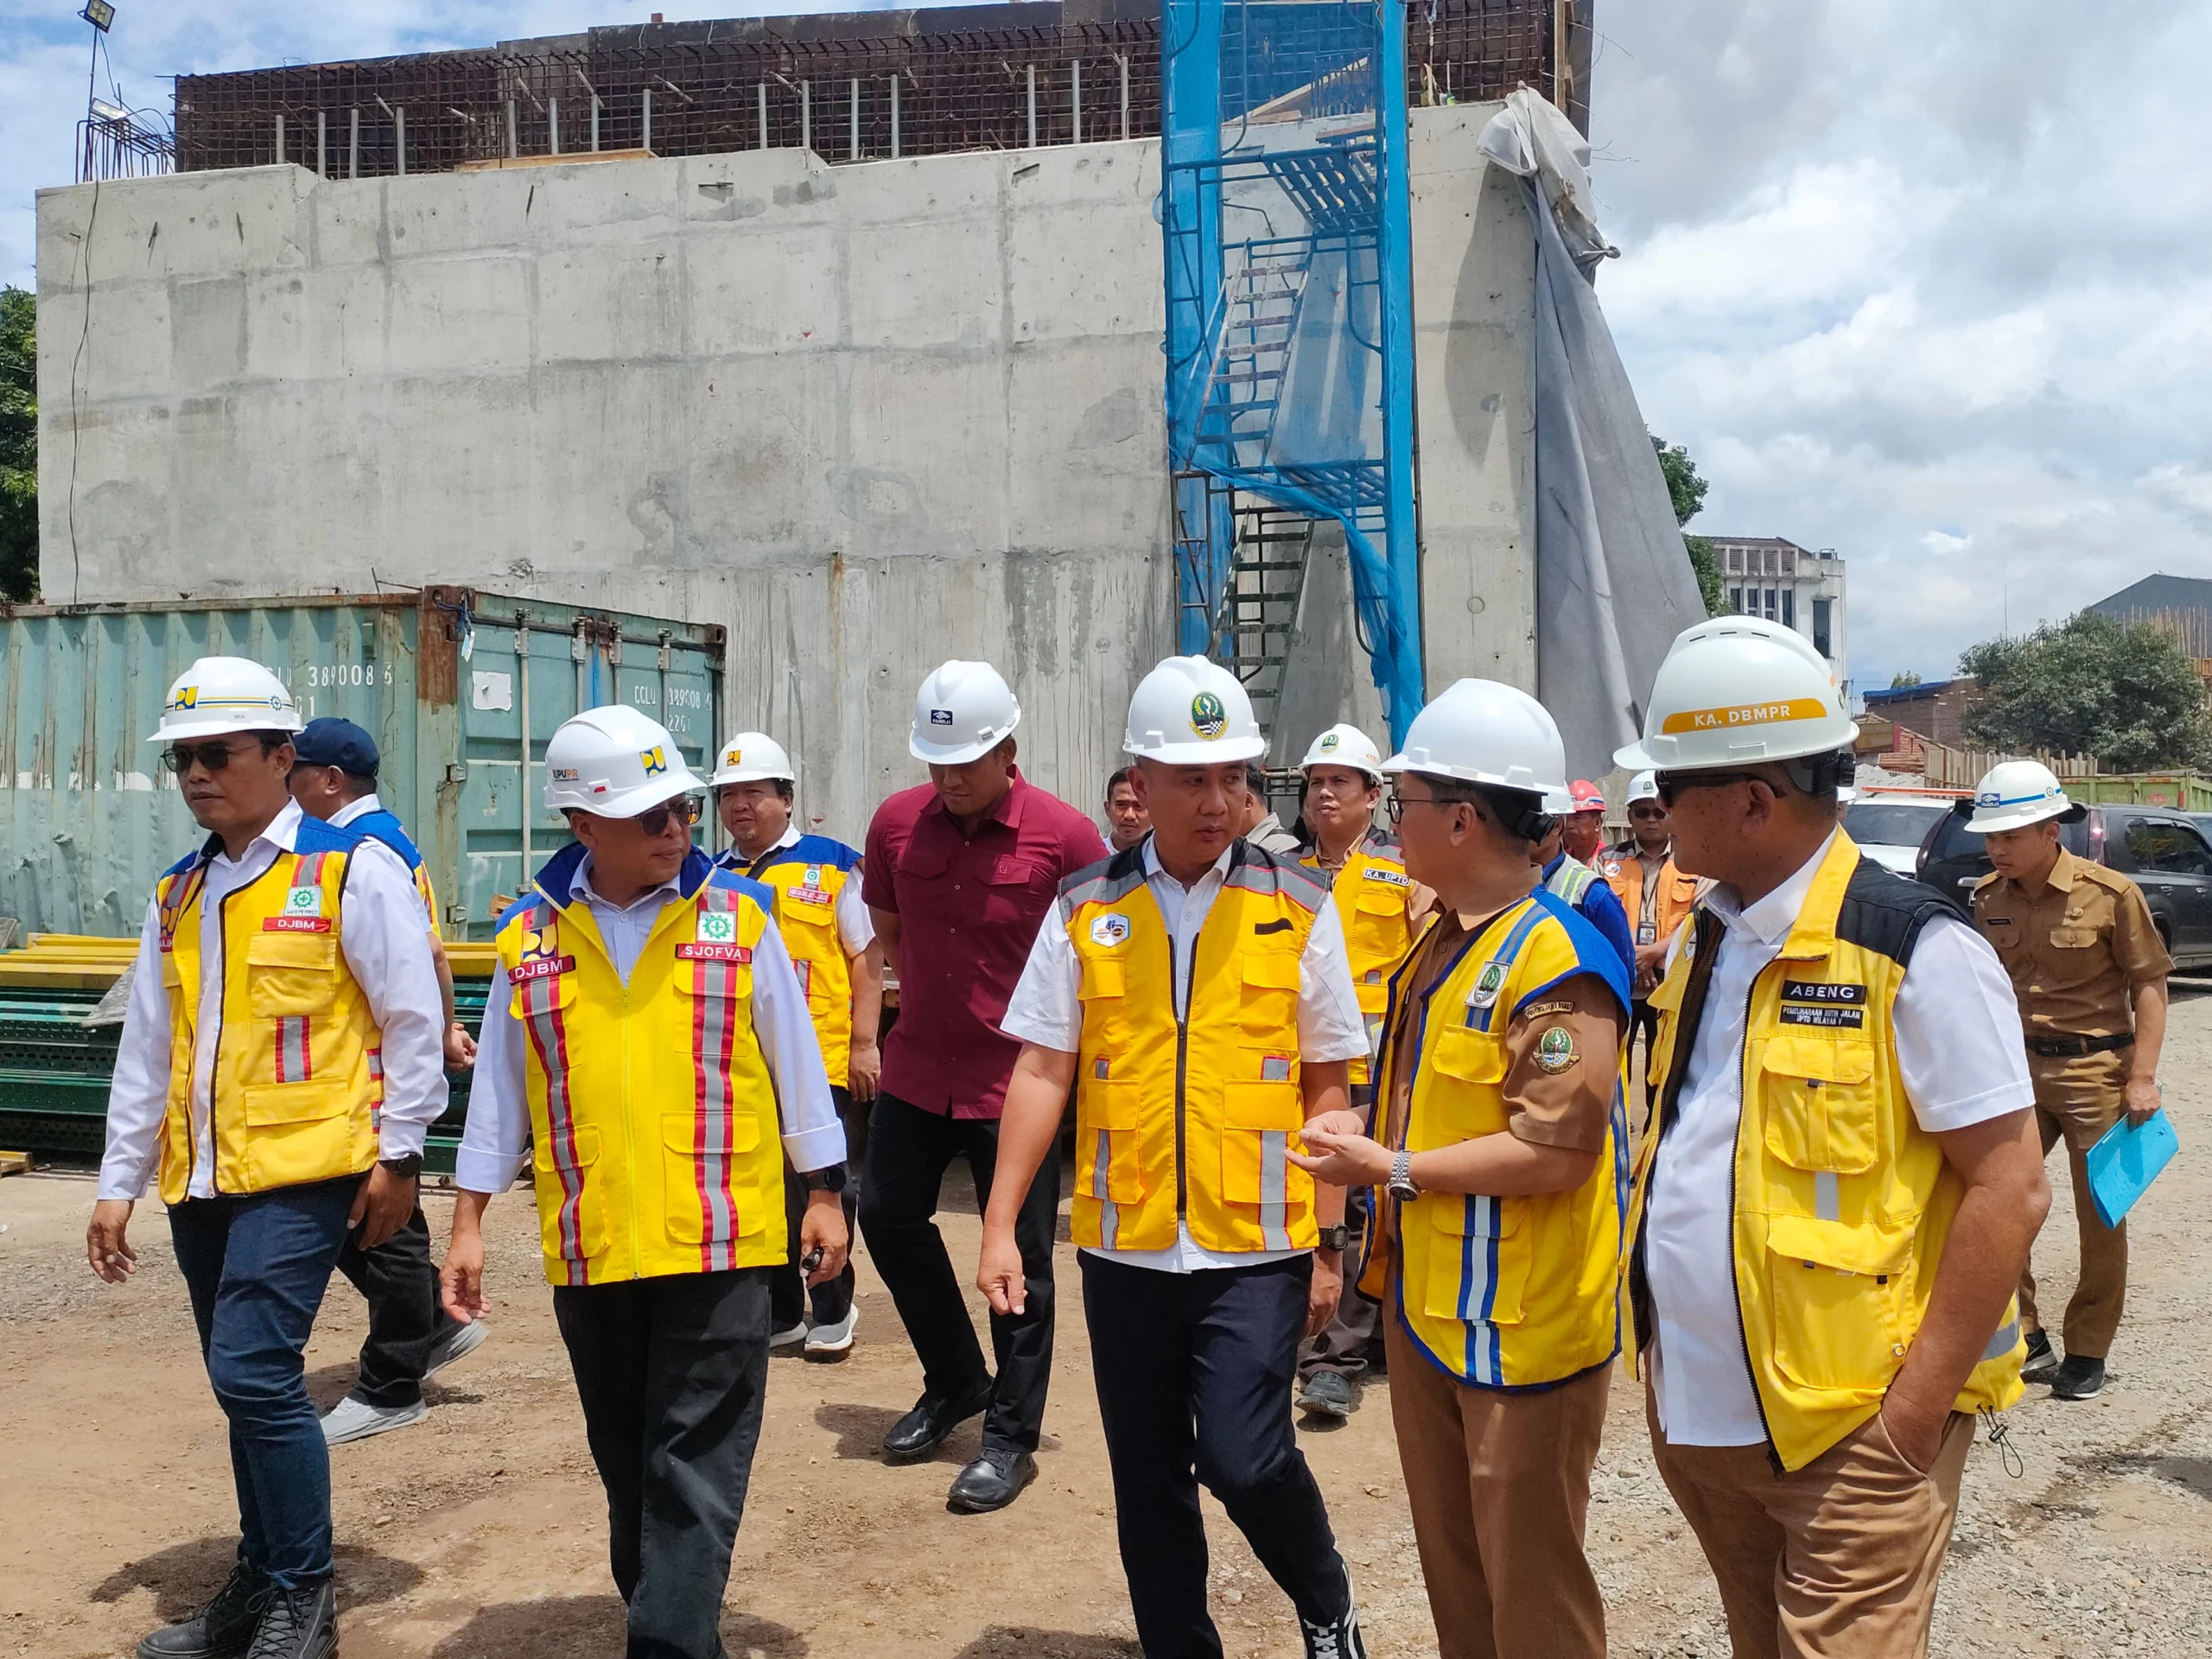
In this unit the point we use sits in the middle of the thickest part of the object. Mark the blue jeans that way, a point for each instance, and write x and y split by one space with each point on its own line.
257 1266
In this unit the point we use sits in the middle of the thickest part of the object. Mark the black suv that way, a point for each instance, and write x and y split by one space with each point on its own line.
2162 851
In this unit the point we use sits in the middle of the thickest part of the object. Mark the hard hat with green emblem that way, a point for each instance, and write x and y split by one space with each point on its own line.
1344 745
1190 712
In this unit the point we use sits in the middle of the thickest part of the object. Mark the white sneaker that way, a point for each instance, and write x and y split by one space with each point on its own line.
457 1344
356 1420
833 1342
785 1338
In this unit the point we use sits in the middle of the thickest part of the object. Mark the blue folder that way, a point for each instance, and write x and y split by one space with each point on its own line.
2126 1160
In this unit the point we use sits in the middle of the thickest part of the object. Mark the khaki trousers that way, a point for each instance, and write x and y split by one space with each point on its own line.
1500 1485
2079 1098
1838 1561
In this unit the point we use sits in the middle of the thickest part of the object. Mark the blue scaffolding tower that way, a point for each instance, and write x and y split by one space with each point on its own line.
1290 373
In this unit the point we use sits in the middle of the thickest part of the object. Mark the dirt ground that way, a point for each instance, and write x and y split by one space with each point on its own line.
480 1533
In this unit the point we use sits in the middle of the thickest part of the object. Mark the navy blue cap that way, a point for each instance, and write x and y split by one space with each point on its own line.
340 743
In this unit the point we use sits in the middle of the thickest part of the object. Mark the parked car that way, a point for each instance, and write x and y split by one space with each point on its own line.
1890 828
2162 851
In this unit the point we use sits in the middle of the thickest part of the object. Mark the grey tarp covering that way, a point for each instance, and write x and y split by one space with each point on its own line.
1613 584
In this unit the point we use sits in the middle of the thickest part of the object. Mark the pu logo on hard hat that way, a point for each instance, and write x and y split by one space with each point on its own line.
940 717
656 762
1329 740
1109 930
188 697
735 758
1208 718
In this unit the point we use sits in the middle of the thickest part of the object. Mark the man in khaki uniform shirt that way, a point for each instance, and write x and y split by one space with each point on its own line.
2090 972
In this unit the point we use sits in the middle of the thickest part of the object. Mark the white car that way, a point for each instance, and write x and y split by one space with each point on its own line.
1890 828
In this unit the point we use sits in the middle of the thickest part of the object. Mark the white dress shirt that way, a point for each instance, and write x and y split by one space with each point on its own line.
855 927
1046 1009
381 935
1961 1054
497 1140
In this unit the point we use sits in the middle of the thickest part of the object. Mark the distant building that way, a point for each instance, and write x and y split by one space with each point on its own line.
1936 709
1795 586
2179 606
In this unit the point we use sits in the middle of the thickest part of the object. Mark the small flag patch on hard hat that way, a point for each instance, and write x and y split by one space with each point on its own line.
1744 713
656 762
1208 718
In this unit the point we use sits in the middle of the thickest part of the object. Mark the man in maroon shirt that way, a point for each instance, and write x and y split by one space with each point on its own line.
960 872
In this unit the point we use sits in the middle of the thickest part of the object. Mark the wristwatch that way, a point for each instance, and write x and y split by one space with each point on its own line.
1337 1238
831 1180
408 1169
1401 1177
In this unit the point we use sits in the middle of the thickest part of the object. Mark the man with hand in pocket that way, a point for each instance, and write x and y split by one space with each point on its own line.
646 1046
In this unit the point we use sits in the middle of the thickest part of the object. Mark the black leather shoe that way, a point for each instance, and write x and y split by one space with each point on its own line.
992 1482
220 1630
2041 1364
298 1625
2079 1377
924 1429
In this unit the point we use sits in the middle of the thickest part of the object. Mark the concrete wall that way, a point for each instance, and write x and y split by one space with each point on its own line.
867 418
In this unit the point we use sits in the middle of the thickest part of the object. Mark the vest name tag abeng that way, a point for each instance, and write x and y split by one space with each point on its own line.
540 968
296 924
706 951
1800 1014
1821 990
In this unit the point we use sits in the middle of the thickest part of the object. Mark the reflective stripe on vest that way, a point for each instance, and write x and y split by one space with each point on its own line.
1371 891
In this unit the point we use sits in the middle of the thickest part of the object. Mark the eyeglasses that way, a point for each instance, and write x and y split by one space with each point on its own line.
1398 803
654 821
1670 783
1642 813
213 757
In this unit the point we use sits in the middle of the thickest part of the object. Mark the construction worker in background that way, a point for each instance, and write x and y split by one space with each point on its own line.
647 1047
1377 907
2089 971
411 1338
1654 895
1837 1188
1577 882
1195 993
278 958
960 871
1127 822
831 942
1582 829
1502 1168
1260 824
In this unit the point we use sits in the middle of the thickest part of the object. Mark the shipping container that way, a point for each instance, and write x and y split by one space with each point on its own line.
2180 791
460 689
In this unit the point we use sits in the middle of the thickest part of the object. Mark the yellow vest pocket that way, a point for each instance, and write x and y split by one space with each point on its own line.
291 972
1477 1271
571 1214
1258 1123
1839 1296
1474 1057
1269 1004
301 1132
1106 1142
709 1199
1820 1100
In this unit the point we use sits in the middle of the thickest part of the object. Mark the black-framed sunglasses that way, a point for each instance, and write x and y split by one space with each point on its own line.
654 820
1397 805
1645 809
1670 783
178 757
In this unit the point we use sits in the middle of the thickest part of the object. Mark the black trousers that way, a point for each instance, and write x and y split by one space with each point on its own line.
788 1298
672 1372
908 1152
1194 1374
406 1315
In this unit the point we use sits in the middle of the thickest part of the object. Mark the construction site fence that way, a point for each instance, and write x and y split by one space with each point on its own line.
1945 767
863 98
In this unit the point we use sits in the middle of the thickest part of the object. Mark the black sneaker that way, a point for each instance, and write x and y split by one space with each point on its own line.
1339 1638
1326 1396
2079 1377
2042 1363
299 1624
223 1628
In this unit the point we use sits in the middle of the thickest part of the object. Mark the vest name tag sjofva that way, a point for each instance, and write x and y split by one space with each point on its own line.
540 968
296 924
707 950
1800 1014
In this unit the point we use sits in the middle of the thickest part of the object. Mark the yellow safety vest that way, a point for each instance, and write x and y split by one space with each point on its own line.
291 1095
1522 1292
1842 1203
1372 892
809 877
653 1120
1190 1116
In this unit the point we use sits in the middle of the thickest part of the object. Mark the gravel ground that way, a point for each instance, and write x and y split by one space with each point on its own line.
480 1535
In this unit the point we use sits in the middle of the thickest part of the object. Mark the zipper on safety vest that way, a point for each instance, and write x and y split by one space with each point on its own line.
1181 999
214 1054
1743 1333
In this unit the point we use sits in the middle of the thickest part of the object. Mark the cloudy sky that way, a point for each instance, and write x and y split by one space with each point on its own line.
1925 284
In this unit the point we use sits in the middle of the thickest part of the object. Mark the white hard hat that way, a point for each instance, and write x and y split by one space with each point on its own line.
1190 712
219 695
1558 804
1644 786
614 763
1344 745
963 712
753 758
1738 690
2013 794
1482 731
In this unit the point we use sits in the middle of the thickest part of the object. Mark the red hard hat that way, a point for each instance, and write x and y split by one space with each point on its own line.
1586 796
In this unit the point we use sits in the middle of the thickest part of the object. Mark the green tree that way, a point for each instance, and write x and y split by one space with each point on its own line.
1687 489
2090 685
1898 681
18 445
